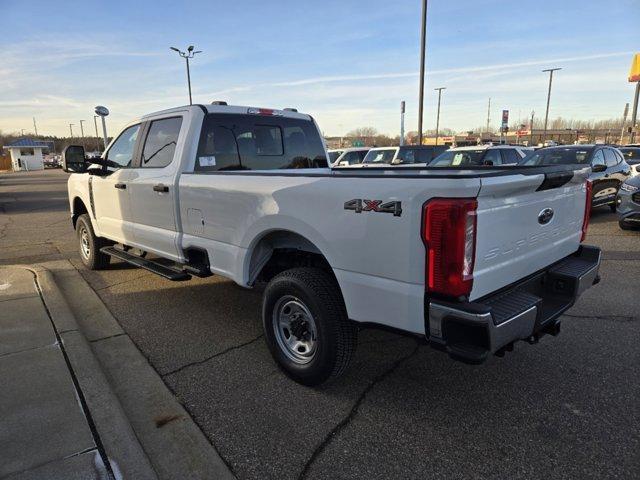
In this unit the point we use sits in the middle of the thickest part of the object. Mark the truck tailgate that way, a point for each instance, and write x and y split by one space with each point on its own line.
524 224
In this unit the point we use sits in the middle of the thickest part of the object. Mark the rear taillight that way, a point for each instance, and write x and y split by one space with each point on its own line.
449 235
587 211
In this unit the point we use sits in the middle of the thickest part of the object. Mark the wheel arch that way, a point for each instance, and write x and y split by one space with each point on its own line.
78 208
278 249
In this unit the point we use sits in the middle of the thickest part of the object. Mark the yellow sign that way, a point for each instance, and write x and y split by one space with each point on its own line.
634 73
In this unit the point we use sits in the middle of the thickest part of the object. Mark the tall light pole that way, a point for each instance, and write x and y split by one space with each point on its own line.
82 131
439 89
402 108
546 115
488 114
531 127
35 127
423 41
187 55
71 129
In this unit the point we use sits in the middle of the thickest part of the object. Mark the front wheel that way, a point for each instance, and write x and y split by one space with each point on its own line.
89 245
306 326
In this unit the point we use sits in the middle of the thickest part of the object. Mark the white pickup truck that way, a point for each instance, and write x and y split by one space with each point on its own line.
471 260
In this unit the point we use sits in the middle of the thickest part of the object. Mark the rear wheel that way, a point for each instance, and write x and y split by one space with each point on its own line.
306 325
89 245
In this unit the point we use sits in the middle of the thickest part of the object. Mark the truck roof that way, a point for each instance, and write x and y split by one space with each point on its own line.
237 109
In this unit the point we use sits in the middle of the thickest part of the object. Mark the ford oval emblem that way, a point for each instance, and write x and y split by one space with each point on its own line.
545 216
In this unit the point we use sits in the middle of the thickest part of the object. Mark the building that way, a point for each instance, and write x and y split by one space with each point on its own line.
26 154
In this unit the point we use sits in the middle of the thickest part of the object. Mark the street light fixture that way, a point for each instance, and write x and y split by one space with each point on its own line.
439 89
546 116
187 55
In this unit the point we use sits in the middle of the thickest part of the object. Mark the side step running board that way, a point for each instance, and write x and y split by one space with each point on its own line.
154 267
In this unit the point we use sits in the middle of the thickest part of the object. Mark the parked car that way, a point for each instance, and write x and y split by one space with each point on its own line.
481 155
247 193
628 202
632 157
334 154
404 155
348 156
608 167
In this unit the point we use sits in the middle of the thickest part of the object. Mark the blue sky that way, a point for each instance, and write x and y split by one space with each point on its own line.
348 63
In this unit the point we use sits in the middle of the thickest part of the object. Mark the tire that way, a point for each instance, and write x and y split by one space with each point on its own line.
307 304
623 225
89 245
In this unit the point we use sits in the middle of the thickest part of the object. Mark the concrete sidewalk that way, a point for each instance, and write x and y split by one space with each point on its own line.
47 431
78 400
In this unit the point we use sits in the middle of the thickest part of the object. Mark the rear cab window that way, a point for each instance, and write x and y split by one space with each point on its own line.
242 142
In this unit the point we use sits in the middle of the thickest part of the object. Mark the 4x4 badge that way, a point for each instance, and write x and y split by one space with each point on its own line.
360 205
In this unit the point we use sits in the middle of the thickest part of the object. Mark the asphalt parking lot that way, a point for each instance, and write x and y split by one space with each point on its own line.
565 408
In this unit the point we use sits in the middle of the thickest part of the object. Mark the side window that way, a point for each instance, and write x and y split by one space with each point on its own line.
610 157
510 155
409 155
361 155
218 149
492 155
598 158
121 152
160 144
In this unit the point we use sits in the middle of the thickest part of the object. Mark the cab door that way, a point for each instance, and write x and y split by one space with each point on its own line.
152 187
109 190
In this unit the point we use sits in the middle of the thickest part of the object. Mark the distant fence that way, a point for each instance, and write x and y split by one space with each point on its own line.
5 163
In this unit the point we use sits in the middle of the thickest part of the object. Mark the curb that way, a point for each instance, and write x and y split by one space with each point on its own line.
168 443
122 448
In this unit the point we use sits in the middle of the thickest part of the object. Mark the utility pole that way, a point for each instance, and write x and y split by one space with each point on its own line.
488 114
187 55
402 108
71 129
546 116
423 41
439 90
35 127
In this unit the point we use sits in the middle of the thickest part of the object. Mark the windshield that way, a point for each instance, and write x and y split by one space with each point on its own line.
380 156
631 155
333 156
460 158
558 156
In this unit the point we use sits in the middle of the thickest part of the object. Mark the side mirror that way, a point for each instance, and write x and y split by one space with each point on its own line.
488 162
73 159
397 161
598 167
343 163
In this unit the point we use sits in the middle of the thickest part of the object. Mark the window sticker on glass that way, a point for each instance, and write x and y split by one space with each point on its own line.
207 161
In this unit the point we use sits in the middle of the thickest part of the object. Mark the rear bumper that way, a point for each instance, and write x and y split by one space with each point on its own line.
525 310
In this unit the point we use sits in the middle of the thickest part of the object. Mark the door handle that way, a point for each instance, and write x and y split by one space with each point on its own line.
120 186
160 188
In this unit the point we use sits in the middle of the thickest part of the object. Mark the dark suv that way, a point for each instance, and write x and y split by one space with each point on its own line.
608 167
